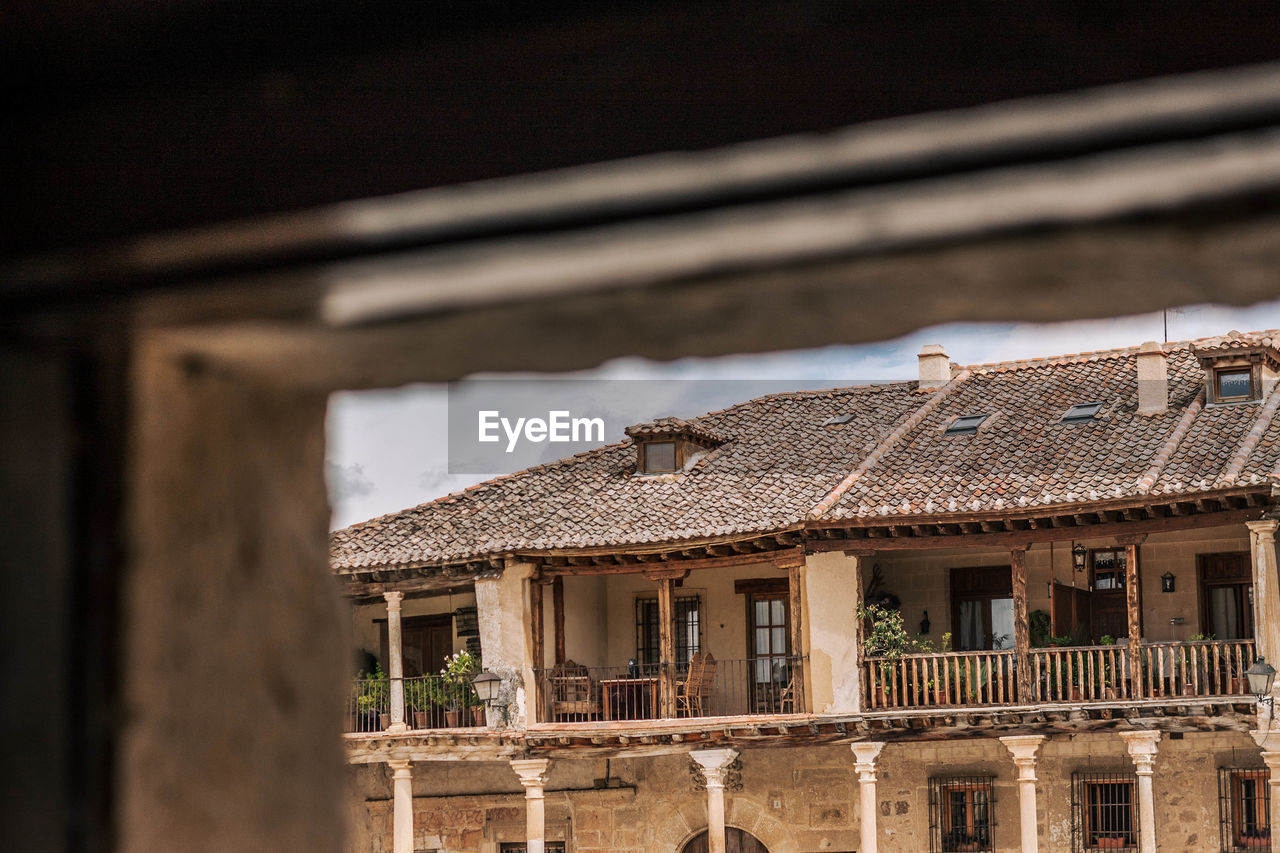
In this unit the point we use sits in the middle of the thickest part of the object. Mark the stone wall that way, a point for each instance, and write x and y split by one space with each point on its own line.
795 800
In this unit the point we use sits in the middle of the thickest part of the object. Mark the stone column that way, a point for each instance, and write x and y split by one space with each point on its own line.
1272 760
395 661
866 754
401 805
1024 748
715 763
533 775
1266 592
1142 749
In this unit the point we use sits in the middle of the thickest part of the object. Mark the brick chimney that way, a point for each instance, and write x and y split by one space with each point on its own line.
1153 379
935 367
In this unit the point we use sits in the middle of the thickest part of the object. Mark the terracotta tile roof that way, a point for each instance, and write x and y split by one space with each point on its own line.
675 426
777 466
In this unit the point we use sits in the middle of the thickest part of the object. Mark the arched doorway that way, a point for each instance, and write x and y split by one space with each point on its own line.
735 841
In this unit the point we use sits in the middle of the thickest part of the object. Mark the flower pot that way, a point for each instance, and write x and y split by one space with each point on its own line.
1075 693
1110 843
420 719
384 720
477 716
452 719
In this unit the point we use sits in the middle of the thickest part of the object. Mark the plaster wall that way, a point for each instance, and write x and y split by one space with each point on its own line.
795 800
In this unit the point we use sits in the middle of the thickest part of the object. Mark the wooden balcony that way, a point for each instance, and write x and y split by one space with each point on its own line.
1071 674
705 687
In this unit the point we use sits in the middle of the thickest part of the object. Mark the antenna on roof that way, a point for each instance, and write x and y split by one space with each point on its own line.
1166 325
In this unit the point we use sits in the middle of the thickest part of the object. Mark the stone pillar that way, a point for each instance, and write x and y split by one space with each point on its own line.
715 763
1272 760
533 775
1266 593
395 661
1142 749
866 754
832 592
1023 749
401 805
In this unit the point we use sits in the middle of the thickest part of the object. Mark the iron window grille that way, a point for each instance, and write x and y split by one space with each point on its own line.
686 628
519 847
1244 808
961 814
1104 809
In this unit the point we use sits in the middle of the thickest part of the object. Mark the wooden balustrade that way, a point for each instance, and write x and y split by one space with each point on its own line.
1058 674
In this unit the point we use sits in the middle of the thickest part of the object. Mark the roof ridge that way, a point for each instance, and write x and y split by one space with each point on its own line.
1095 355
1158 463
797 395
886 444
1250 441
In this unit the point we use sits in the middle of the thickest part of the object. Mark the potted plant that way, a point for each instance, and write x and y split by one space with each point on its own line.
455 679
372 691
1108 675
886 637
418 701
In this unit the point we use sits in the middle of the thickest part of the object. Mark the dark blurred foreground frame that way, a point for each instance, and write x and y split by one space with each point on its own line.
173 646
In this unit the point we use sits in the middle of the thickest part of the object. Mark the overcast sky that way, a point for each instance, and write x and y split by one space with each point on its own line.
388 450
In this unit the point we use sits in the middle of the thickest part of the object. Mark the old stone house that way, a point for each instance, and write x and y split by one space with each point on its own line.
1083 547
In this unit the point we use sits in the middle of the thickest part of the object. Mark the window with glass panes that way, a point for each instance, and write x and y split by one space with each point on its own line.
1244 808
1105 812
960 814
769 638
686 629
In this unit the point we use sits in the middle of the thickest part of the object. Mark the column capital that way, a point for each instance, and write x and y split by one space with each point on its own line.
1023 748
714 764
1264 736
393 597
866 753
400 767
1265 528
1142 747
532 773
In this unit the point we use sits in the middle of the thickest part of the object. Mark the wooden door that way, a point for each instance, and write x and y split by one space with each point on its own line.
1226 595
425 642
1072 613
735 841
1107 578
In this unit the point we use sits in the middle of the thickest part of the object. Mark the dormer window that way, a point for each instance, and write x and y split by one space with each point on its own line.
1237 368
668 445
1233 385
657 457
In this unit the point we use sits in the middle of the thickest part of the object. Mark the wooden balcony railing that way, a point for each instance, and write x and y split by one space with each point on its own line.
1065 674
722 687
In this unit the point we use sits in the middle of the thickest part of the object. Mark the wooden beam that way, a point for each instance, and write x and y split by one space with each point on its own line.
777 558
666 648
1133 606
537 645
1021 628
557 607
795 599
1043 534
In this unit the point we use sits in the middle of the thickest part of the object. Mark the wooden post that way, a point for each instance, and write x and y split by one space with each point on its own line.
537 645
666 647
1021 629
557 606
1133 606
794 595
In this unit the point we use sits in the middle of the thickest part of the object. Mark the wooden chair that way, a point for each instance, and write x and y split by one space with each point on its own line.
574 694
693 694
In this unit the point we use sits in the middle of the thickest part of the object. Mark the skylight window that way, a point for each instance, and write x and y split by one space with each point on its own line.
837 420
965 425
1081 412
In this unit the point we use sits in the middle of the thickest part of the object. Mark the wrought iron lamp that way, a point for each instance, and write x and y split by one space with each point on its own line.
486 685
1166 582
1078 555
1261 676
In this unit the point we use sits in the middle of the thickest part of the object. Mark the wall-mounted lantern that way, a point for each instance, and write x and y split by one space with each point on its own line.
1078 555
1166 582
